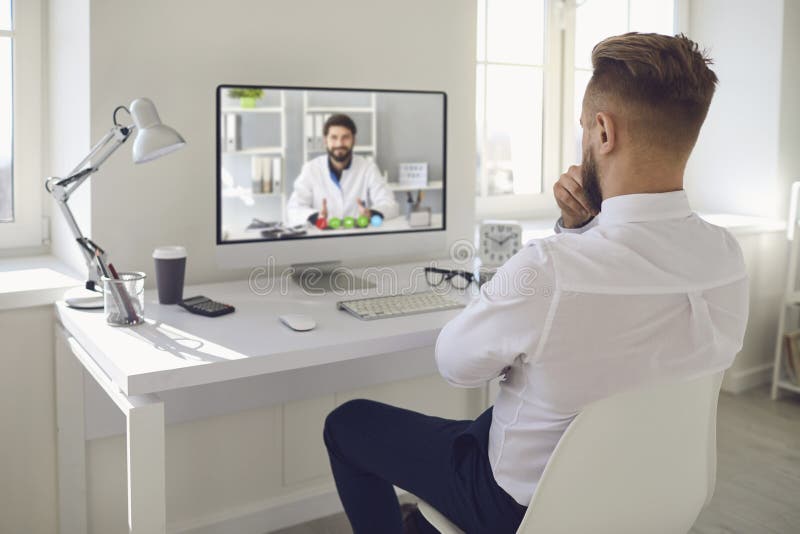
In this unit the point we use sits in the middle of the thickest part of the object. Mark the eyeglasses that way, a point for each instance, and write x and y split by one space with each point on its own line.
458 279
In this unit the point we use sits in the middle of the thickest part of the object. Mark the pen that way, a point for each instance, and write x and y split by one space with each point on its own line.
118 292
114 273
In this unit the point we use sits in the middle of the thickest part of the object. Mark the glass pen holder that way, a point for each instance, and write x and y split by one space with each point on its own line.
123 299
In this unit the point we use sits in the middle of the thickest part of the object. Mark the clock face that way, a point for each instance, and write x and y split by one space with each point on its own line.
499 241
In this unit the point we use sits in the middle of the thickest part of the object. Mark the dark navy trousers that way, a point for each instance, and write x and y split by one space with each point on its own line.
373 446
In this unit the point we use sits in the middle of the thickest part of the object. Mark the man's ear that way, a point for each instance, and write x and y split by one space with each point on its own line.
606 132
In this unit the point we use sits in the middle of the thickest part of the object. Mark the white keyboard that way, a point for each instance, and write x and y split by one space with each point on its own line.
398 305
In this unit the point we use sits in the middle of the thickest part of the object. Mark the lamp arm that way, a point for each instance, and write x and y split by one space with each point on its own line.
163 141
62 188
117 134
93 152
88 256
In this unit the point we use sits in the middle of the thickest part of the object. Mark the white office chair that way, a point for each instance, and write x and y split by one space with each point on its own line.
640 461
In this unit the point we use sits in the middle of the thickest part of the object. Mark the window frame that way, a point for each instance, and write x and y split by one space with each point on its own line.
26 230
559 128
523 205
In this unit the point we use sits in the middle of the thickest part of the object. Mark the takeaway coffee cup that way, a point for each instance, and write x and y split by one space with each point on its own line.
170 268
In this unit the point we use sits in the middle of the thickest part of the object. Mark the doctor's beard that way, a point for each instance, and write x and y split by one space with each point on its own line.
340 155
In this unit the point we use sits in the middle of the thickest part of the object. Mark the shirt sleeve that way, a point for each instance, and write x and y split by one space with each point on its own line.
301 202
503 323
559 228
381 196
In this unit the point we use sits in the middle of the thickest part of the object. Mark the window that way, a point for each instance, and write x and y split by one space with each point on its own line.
21 182
6 111
533 64
510 92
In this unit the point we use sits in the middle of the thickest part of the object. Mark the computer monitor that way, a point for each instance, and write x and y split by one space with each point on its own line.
313 175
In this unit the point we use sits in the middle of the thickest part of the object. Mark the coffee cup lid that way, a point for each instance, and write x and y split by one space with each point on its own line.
169 253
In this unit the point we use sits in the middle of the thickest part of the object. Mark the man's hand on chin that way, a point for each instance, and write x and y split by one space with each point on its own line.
572 199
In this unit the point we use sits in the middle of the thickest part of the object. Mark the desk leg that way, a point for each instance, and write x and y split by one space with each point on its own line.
71 439
144 415
146 470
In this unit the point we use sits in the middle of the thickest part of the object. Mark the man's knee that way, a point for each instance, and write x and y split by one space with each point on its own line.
344 419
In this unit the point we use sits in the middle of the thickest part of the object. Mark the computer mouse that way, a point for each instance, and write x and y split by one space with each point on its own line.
298 322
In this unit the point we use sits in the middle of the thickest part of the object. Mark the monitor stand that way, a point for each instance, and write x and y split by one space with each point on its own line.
328 276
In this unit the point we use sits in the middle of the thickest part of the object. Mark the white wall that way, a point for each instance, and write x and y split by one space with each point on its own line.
765 259
789 155
68 116
747 154
27 415
106 52
27 390
177 52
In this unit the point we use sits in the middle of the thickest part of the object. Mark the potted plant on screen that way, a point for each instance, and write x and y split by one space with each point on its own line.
247 97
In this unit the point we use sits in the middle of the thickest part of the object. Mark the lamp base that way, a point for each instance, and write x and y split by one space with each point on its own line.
85 303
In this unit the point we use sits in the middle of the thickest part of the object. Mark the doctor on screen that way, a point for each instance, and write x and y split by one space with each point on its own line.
340 184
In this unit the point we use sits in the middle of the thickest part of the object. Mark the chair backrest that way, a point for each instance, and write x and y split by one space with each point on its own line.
641 461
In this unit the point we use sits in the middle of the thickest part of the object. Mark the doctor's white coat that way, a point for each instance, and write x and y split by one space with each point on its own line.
361 180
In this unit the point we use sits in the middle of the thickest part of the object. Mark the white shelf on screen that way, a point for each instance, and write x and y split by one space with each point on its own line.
339 109
277 151
433 185
357 148
264 109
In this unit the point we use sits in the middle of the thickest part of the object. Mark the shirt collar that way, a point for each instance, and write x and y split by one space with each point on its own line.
332 170
641 207
335 176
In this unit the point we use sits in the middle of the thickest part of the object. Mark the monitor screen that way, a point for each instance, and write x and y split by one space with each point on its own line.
306 163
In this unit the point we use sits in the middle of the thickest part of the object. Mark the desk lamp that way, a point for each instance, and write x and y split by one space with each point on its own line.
152 141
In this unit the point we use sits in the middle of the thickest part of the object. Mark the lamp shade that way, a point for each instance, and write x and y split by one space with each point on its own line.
153 139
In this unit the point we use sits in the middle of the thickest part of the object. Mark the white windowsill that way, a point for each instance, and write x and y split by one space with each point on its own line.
34 281
738 225
41 280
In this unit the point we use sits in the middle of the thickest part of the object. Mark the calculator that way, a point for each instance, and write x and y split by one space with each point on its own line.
205 306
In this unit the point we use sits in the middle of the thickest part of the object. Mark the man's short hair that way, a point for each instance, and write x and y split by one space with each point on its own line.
339 120
662 85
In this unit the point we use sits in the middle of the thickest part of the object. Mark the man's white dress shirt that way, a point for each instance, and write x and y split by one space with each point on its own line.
646 292
361 180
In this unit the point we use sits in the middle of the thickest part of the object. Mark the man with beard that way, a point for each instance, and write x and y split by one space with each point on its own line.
340 183
634 289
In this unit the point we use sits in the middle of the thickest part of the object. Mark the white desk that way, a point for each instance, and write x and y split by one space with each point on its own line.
397 224
139 367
